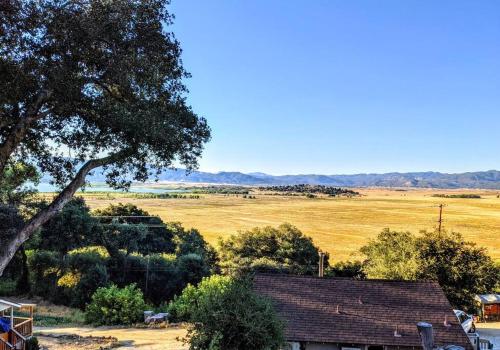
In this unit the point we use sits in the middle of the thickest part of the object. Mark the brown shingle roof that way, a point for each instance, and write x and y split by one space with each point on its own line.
369 310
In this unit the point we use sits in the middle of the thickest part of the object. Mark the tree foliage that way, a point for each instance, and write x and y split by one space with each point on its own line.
352 269
73 227
75 253
17 184
461 268
90 84
227 314
116 306
392 255
269 248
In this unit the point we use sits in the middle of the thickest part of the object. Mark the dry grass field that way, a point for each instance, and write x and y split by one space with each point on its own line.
338 225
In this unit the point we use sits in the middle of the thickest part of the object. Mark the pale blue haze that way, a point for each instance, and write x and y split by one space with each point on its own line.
325 86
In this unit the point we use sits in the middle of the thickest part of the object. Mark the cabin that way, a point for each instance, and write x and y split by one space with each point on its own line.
347 314
488 307
15 330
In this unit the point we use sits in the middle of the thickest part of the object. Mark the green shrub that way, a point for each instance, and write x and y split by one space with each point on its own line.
227 314
32 344
113 306
181 308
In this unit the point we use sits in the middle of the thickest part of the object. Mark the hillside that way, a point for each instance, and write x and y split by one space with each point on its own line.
481 179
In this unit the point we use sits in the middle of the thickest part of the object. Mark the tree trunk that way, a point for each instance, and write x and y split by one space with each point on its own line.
23 284
9 248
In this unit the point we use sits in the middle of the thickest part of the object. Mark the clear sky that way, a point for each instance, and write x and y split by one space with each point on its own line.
331 87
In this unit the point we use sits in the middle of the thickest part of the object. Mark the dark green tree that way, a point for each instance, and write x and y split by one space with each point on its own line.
269 248
121 209
227 314
352 269
17 184
125 226
189 242
87 85
73 227
461 268
17 203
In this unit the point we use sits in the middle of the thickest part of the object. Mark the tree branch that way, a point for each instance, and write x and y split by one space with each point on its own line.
19 131
8 250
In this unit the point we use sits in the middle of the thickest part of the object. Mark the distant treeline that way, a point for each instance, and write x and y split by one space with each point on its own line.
163 196
310 189
221 190
462 195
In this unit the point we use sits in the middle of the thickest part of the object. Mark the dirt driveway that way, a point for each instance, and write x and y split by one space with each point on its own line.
490 331
128 338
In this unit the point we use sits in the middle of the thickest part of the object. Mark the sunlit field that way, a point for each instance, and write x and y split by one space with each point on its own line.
338 225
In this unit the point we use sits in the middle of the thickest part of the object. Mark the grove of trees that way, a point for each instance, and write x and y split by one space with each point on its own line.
75 253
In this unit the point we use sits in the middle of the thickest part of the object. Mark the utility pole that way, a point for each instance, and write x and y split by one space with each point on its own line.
440 217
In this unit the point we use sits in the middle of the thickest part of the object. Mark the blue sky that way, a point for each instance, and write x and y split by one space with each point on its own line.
325 86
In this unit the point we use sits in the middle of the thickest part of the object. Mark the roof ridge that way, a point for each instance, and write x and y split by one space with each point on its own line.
288 275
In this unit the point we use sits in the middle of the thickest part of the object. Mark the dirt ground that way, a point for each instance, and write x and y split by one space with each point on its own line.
490 331
86 338
125 338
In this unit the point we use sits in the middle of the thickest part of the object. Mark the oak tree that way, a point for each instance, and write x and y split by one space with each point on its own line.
91 85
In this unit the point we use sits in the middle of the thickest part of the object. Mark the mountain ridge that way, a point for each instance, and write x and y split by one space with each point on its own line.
489 179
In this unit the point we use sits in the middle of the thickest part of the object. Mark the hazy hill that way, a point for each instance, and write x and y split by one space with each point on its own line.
481 179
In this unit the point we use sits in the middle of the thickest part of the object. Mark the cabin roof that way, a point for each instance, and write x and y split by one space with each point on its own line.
342 310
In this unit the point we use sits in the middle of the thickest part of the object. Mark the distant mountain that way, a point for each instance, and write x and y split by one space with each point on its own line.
481 179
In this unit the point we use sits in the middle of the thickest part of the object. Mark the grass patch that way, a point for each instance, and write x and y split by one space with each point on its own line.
53 321
338 225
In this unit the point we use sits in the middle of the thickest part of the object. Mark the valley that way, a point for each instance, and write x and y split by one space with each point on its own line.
338 225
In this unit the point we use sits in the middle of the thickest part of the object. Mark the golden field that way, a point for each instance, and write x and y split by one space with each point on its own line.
338 225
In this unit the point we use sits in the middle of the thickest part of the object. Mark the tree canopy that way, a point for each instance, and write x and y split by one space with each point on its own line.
392 255
282 248
89 84
227 314
461 268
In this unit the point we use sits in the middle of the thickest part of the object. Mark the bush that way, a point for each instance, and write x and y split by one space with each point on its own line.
32 344
227 314
113 306
181 308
